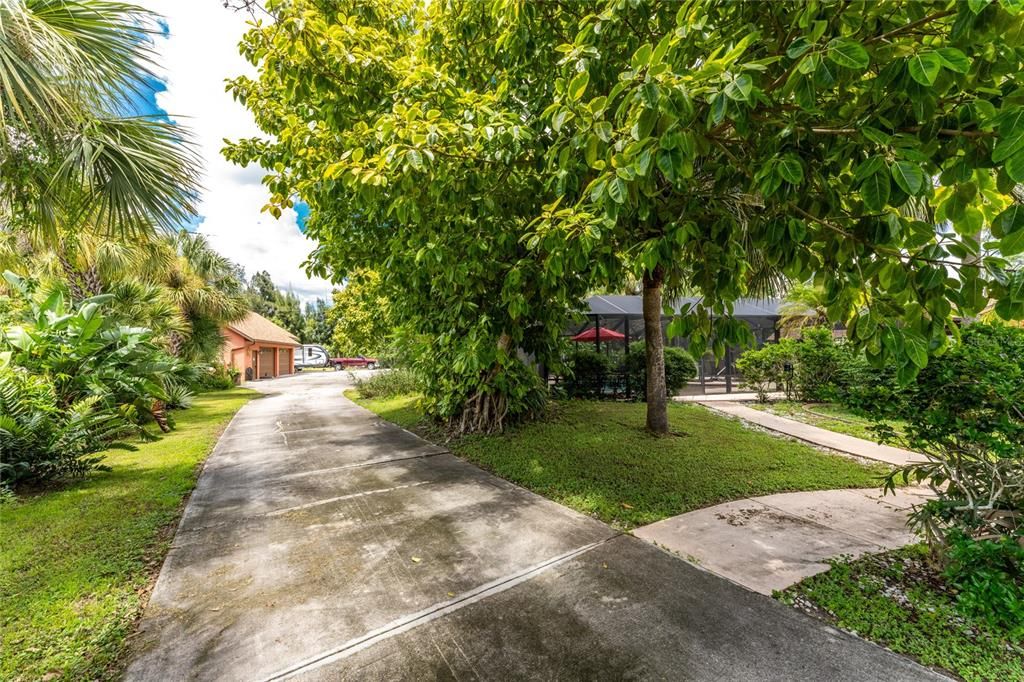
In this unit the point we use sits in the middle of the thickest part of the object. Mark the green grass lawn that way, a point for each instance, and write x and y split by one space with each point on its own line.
896 599
76 562
827 416
596 457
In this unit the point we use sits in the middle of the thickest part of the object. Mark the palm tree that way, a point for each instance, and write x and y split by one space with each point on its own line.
69 159
803 306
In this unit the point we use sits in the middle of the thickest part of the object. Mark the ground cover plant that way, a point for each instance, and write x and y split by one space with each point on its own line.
831 416
76 561
597 458
902 600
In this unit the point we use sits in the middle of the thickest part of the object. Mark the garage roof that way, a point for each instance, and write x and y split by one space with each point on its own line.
259 329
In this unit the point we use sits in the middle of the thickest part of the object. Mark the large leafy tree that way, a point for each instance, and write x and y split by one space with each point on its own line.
837 124
522 148
421 157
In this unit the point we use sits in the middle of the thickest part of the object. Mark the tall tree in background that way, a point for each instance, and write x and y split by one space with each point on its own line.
282 308
316 327
361 318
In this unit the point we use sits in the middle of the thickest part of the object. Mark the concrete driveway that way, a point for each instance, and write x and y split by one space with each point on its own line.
324 543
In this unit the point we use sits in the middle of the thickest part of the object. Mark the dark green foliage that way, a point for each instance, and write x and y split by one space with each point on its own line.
772 365
589 372
219 377
817 364
965 415
388 384
679 368
902 601
989 577
43 439
869 390
972 396
85 353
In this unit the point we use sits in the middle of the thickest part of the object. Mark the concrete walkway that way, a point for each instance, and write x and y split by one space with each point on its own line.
323 543
814 435
771 542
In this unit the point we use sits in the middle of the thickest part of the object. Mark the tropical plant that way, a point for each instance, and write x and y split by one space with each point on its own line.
42 438
69 159
804 305
86 355
772 365
965 416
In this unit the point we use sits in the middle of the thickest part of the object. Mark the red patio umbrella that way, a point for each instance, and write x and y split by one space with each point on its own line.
590 334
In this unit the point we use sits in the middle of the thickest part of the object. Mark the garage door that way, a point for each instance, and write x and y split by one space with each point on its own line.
284 364
266 363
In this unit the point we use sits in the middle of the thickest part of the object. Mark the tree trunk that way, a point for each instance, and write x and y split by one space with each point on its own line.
657 393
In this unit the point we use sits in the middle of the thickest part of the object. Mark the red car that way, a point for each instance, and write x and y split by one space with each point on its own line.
357 362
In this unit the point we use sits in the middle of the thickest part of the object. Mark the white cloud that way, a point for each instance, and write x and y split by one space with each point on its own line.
200 52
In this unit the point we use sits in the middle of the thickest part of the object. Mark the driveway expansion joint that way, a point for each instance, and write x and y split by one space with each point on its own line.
433 612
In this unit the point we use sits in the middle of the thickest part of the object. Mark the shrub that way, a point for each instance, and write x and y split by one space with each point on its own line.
817 364
85 353
679 368
964 413
388 384
179 397
42 439
220 377
771 365
589 370
989 577
873 391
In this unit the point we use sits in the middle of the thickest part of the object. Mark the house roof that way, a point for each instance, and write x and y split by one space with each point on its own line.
633 305
254 327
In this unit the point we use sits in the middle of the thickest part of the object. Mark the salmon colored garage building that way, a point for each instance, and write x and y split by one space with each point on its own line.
258 348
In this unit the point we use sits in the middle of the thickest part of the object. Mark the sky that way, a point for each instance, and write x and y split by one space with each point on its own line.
198 51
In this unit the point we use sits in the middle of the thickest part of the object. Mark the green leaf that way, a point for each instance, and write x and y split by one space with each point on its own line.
798 47
617 190
916 349
924 67
1012 244
1011 135
1009 221
908 176
848 54
956 205
977 5
791 170
641 57
953 59
739 88
875 135
1015 166
649 95
875 191
578 85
